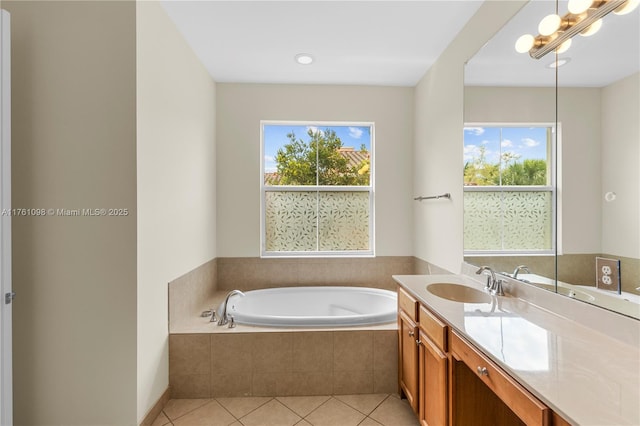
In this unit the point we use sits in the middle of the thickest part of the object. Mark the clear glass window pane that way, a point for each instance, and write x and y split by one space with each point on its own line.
312 155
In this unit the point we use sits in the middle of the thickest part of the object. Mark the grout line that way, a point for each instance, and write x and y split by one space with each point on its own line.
240 397
188 412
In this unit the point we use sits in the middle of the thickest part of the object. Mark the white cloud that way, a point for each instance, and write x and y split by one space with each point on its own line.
506 143
530 143
355 132
314 129
474 130
470 151
270 164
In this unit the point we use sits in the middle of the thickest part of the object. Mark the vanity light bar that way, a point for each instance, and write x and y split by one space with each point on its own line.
572 24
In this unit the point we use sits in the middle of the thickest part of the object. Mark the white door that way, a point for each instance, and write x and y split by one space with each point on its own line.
6 376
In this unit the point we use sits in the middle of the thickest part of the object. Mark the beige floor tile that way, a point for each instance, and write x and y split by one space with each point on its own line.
303 405
363 403
210 414
273 413
394 412
240 407
303 422
179 407
161 420
335 412
369 422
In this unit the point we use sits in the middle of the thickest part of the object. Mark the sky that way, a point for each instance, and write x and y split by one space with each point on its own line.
526 142
275 136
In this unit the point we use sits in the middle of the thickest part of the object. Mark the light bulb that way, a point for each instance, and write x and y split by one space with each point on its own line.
627 7
579 6
592 29
525 43
549 24
304 58
564 46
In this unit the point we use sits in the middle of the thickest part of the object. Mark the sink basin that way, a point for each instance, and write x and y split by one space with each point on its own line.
458 293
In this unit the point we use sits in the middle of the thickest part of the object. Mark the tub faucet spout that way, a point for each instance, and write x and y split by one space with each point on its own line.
222 309
521 268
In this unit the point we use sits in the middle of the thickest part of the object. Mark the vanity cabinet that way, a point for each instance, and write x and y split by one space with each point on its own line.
448 381
483 394
408 348
433 370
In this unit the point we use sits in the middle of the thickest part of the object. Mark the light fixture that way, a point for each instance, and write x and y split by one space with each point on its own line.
555 31
564 47
592 29
304 58
549 24
628 7
579 6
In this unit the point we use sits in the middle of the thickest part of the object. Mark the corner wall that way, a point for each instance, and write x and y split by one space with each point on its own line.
437 154
240 107
176 163
74 144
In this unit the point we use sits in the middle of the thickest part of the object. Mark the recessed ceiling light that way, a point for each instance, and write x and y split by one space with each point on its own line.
304 58
559 62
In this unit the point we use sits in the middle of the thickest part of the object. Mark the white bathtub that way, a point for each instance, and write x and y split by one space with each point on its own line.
314 307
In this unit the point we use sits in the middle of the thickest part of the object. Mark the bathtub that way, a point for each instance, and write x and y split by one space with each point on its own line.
314 307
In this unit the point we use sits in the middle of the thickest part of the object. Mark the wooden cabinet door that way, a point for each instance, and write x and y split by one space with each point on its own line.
433 389
408 359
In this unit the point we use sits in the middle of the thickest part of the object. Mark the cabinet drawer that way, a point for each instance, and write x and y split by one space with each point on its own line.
434 328
527 407
408 304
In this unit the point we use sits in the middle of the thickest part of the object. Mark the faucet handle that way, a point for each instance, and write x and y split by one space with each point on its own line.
497 288
213 316
232 322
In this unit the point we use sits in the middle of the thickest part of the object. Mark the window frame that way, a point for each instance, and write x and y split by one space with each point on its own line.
552 188
370 189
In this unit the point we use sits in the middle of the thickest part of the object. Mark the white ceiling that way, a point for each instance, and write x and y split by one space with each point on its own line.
597 61
353 42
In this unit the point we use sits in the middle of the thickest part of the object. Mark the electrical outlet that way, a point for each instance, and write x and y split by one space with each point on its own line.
608 274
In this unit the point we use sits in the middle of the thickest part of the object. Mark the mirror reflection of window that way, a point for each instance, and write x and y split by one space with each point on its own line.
508 189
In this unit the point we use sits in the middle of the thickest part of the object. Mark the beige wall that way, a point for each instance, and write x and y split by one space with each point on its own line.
176 183
240 107
74 136
437 153
620 167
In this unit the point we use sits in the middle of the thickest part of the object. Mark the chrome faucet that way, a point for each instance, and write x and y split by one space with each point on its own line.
494 285
519 269
222 309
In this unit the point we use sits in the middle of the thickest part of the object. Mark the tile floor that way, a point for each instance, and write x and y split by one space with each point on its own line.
338 410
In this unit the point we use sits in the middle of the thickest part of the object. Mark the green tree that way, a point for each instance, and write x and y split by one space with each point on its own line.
318 161
479 172
528 172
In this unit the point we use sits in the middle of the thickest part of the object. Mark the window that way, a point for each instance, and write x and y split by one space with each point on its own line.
317 189
509 189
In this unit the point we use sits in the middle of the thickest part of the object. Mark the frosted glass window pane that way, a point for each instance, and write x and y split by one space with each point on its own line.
510 220
291 221
344 221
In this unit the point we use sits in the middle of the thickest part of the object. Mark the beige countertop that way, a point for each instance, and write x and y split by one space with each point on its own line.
584 374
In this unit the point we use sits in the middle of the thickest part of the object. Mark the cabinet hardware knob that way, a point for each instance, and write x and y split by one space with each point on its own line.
411 333
418 342
482 371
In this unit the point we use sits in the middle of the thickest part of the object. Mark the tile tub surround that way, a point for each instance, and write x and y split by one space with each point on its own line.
252 273
283 363
188 292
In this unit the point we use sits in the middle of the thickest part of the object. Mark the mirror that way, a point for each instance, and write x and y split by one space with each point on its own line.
589 199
